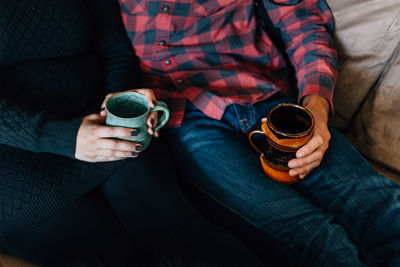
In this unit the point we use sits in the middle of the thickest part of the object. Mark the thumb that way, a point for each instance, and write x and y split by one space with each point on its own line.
149 94
97 118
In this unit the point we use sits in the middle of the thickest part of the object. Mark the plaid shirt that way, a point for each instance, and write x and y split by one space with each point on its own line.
213 53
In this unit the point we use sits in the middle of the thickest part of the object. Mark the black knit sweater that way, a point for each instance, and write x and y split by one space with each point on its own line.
58 59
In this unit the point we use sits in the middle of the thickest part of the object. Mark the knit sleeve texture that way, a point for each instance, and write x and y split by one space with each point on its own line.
69 58
113 46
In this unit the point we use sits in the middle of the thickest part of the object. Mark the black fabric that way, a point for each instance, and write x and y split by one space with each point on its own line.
58 59
141 206
85 231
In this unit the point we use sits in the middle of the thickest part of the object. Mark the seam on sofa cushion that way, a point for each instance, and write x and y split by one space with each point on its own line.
361 36
357 80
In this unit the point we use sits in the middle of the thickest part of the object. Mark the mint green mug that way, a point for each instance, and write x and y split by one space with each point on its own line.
131 110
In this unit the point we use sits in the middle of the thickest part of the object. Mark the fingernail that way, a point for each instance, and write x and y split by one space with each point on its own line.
292 165
134 153
139 148
133 133
301 154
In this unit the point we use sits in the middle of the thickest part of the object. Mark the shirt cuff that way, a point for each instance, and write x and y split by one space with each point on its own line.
318 84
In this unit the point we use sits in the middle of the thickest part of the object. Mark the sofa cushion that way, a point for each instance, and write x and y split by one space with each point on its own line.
376 128
367 34
367 96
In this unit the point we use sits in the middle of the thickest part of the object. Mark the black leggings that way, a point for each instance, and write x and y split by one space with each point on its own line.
138 216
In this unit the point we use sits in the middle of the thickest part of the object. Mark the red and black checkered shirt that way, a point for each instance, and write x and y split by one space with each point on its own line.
212 52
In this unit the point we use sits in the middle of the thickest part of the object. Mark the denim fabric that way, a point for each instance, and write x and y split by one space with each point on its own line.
342 214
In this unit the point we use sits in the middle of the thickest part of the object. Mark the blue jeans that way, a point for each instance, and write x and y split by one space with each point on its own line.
342 214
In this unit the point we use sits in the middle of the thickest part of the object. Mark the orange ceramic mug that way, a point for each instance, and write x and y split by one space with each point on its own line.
287 128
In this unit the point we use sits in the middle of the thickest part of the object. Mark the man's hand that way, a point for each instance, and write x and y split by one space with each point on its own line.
94 141
310 155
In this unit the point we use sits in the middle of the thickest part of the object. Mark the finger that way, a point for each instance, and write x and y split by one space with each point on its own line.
86 158
100 159
301 162
152 122
110 132
106 159
315 142
302 176
116 153
149 94
119 145
96 118
304 170
103 111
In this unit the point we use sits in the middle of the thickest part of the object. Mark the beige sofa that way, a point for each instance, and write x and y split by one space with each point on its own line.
10 261
367 98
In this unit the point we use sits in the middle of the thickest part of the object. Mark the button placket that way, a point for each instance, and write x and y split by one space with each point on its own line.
167 63
180 84
165 8
179 80
162 40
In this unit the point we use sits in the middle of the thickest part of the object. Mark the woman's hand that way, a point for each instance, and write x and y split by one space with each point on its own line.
151 98
94 141
311 154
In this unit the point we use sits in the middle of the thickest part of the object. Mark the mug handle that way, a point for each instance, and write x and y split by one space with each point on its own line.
161 106
251 142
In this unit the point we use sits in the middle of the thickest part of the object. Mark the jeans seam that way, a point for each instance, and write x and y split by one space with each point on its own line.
238 117
250 121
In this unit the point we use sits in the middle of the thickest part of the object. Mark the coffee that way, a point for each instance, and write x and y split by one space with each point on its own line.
290 120
127 107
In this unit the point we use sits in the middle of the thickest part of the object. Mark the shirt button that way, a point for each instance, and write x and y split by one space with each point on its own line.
162 42
167 62
256 4
179 81
165 8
